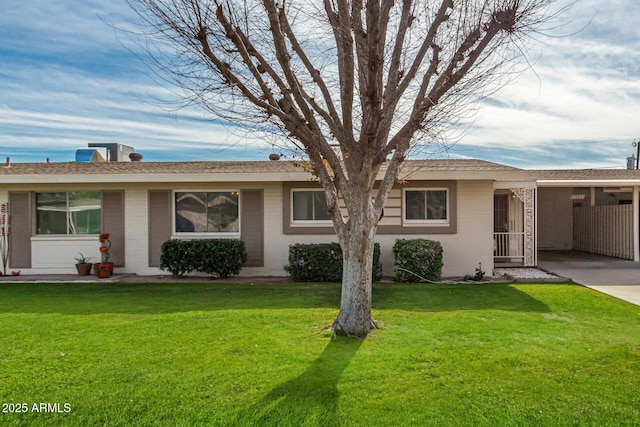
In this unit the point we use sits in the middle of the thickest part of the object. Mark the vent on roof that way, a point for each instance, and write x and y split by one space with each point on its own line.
115 152
104 152
91 155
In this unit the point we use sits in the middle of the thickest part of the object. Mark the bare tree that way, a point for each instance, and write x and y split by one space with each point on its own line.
367 76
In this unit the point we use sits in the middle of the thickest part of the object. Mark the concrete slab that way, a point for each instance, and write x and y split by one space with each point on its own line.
612 276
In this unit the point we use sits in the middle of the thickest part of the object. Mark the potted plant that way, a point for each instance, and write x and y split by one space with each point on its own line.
105 266
83 265
103 270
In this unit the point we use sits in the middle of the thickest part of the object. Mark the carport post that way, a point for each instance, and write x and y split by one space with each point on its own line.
636 225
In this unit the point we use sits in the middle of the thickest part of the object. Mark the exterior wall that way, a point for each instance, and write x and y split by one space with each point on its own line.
555 218
468 245
471 245
55 254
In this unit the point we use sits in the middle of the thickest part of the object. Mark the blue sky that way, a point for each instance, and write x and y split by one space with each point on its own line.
68 78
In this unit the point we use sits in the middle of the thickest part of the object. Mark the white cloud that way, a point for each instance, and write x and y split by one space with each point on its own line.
66 79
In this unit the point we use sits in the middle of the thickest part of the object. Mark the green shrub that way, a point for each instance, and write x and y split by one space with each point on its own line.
221 258
420 256
218 257
178 257
322 262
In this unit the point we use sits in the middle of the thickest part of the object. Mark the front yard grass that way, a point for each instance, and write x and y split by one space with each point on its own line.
221 354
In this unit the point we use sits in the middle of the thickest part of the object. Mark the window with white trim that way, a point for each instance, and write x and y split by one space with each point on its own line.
309 206
69 213
207 212
426 206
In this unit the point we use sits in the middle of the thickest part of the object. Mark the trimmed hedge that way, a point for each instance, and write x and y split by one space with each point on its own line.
218 257
178 257
420 256
322 262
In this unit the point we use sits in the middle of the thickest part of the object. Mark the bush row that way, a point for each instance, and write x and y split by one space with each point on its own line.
322 262
218 257
415 259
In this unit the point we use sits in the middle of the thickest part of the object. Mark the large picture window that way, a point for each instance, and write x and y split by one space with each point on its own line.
426 206
75 212
309 205
207 212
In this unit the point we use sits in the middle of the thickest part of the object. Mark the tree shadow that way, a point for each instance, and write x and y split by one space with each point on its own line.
439 298
312 397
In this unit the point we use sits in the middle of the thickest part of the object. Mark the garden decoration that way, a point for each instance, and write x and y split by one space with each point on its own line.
5 231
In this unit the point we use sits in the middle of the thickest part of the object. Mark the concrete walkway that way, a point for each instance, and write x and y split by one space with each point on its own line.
612 276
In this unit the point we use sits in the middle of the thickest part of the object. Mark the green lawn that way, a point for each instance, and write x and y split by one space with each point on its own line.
220 354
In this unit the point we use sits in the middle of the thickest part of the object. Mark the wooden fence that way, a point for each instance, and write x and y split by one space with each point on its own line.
604 230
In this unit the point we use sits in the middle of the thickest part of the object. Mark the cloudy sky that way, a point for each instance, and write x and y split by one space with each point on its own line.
68 78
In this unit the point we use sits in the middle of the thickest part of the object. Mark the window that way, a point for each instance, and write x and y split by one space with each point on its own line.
76 212
426 206
309 205
207 212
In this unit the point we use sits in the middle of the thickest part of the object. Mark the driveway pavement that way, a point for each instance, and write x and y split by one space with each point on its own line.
612 276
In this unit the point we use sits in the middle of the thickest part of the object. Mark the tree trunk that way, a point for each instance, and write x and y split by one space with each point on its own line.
354 318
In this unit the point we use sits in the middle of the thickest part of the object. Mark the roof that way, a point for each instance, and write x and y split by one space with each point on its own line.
67 168
581 174
458 164
258 171
228 171
585 177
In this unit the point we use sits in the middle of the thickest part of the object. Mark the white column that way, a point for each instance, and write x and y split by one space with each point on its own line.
636 225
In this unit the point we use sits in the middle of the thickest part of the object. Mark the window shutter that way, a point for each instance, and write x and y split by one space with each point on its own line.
113 223
159 223
21 223
252 227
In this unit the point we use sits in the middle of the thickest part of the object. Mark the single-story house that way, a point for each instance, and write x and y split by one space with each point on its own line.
481 212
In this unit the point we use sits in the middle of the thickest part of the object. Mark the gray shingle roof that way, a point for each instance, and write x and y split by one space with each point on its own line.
584 174
73 168
70 168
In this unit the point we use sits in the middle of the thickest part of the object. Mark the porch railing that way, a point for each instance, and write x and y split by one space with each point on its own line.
508 246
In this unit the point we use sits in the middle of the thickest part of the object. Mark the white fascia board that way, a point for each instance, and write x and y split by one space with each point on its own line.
506 185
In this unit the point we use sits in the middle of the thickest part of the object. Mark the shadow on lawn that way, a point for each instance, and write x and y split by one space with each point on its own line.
175 298
309 399
438 298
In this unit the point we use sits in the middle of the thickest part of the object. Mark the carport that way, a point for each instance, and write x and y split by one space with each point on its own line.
590 210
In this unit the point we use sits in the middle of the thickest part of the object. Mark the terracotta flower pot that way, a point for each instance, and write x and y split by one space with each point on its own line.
103 266
84 269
